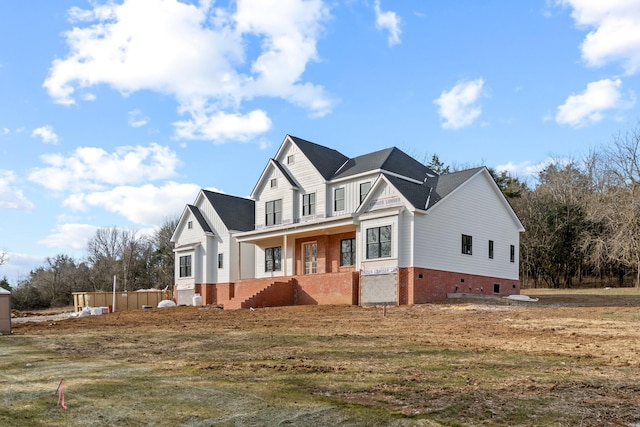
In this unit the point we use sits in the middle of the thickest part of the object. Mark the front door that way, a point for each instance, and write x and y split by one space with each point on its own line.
310 254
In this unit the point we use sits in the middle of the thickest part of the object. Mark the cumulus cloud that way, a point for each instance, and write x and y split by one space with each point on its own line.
615 31
144 205
46 133
589 106
95 168
222 125
458 107
69 236
11 197
388 21
201 55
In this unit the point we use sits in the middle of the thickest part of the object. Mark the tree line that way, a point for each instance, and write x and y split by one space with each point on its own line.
138 261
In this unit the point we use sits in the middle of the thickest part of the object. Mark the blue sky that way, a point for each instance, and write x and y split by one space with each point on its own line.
117 113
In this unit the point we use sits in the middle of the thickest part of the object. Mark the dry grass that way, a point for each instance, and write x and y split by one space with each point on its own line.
565 361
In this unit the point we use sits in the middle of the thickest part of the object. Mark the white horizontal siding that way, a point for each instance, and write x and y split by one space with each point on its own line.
475 209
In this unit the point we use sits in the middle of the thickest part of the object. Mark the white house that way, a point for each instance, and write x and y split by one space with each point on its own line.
322 228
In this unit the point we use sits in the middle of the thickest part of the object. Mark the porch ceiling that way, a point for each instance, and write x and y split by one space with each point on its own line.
299 230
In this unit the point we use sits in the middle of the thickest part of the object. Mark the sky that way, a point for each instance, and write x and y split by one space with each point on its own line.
116 113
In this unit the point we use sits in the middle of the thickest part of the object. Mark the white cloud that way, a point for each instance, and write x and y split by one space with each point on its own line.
69 236
458 107
137 119
200 54
46 133
615 34
19 265
589 106
93 168
221 126
524 169
144 205
389 21
10 197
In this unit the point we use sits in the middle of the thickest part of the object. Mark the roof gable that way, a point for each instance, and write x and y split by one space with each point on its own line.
236 213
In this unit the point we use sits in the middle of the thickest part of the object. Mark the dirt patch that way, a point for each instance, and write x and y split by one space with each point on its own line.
565 360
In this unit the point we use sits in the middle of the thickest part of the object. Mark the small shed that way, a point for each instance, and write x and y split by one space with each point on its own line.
5 311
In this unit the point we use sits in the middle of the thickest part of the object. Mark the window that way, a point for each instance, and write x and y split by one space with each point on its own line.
274 182
220 263
490 249
496 288
512 255
379 242
310 251
185 266
338 199
290 159
273 212
466 244
308 204
190 225
364 190
347 252
272 259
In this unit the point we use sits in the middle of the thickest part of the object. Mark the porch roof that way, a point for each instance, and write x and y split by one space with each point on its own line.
330 225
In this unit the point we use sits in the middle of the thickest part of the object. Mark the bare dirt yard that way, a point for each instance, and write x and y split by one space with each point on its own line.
570 359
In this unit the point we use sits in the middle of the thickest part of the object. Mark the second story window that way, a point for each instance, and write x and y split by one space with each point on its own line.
338 199
273 212
274 183
364 190
490 249
290 159
190 225
308 204
466 244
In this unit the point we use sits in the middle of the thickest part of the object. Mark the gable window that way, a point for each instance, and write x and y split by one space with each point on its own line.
185 266
220 263
364 190
379 242
274 182
273 212
272 258
490 249
466 244
347 252
290 159
190 225
338 199
308 204
512 253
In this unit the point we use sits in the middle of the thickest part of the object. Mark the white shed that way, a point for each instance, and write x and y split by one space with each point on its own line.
5 311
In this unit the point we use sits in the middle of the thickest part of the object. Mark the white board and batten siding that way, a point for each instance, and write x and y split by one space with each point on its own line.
475 209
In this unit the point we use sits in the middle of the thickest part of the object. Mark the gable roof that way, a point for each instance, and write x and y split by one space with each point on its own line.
237 213
200 218
326 160
426 194
392 160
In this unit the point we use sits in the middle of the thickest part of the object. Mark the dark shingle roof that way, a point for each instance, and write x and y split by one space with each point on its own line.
427 194
200 218
284 172
237 213
391 160
325 160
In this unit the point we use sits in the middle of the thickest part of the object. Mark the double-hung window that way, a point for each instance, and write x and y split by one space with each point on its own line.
185 266
272 258
379 242
338 199
347 252
364 190
273 212
308 204
466 244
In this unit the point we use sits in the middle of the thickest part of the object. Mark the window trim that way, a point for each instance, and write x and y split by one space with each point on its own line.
467 244
351 253
271 263
336 208
273 216
184 266
308 204
378 245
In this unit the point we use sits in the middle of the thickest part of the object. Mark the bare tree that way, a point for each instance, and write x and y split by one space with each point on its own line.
3 257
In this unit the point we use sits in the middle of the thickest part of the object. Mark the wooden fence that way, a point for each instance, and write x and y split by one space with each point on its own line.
125 301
